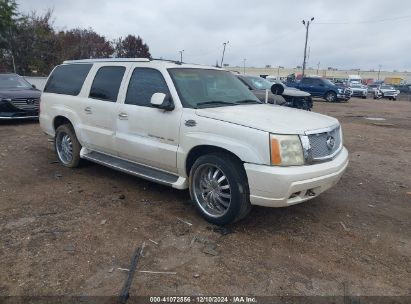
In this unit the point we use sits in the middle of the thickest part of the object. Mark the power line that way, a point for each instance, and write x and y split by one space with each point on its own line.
368 21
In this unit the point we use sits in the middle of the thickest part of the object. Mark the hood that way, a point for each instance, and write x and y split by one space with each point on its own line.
287 92
270 118
295 92
25 93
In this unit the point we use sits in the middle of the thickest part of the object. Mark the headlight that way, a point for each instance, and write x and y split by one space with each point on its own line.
286 150
340 91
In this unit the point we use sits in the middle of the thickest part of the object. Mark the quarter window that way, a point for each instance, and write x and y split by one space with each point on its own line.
67 79
106 83
143 84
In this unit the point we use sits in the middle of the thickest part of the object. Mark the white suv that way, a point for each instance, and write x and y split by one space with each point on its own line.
191 126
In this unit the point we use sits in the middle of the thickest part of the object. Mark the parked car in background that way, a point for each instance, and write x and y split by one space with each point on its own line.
404 88
354 79
18 98
290 97
322 88
386 91
372 87
358 90
191 127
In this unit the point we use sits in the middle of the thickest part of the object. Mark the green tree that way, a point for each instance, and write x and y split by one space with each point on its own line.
35 45
8 21
131 47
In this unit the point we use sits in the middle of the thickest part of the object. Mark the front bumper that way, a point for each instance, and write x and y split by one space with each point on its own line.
9 112
284 186
343 96
359 93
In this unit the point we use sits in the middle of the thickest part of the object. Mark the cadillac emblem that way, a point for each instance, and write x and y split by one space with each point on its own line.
330 142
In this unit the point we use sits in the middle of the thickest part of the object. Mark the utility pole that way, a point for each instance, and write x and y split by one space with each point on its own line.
278 70
379 70
318 67
181 55
244 60
222 58
307 26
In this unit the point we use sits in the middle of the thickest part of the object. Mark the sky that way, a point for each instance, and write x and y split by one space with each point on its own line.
344 34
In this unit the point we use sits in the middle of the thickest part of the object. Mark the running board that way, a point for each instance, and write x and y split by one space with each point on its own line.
138 170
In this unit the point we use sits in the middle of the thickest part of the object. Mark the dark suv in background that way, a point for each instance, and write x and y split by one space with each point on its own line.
18 98
322 88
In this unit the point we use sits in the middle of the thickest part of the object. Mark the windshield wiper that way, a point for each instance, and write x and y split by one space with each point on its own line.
249 101
215 102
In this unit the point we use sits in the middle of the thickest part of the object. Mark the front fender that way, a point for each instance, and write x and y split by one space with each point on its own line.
248 144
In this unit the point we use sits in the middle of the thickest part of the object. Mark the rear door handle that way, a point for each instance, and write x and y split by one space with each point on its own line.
123 116
88 110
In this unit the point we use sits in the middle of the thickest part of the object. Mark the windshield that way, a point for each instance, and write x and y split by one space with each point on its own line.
259 83
10 81
386 87
329 82
357 86
209 88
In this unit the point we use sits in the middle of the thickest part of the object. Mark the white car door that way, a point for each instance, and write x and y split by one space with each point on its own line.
99 108
145 134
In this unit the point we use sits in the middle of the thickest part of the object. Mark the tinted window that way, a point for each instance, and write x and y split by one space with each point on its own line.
106 83
143 84
67 79
306 81
317 82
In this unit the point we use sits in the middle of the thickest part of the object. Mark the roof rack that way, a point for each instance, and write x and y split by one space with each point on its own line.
108 60
168 60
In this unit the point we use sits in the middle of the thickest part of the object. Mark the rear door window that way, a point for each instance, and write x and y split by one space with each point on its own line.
67 79
106 83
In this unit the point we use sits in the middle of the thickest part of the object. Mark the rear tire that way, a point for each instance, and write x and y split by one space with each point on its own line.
219 188
67 146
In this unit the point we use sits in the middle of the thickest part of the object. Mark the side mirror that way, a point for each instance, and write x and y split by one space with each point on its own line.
277 89
162 101
33 86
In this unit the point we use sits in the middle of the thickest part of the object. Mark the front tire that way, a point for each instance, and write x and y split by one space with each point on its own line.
219 188
331 97
67 146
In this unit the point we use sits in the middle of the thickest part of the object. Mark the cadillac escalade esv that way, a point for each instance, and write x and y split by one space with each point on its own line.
191 127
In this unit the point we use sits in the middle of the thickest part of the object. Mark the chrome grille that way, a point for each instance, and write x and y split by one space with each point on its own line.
28 104
321 144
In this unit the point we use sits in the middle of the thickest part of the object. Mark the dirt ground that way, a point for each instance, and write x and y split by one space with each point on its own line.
67 232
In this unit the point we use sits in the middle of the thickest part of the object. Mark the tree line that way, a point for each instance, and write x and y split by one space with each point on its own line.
31 46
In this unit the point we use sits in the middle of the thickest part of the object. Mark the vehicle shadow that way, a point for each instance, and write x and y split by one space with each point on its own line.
15 122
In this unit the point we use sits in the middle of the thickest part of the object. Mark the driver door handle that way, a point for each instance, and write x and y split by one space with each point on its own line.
88 110
123 116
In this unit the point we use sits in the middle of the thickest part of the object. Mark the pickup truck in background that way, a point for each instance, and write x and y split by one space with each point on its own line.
322 88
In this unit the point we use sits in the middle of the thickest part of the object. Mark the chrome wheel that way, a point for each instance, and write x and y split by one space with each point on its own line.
64 147
211 189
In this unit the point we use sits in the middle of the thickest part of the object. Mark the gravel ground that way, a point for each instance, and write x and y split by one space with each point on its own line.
70 232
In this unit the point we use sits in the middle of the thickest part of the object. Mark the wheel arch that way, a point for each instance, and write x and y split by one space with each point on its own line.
201 150
60 120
